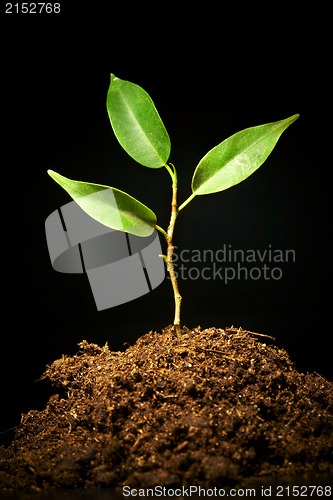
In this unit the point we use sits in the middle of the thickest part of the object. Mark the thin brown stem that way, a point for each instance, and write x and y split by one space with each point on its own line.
170 251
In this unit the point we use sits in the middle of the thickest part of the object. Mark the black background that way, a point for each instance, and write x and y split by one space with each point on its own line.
212 68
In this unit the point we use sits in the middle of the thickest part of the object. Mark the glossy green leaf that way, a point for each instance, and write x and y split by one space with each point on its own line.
137 124
236 158
109 206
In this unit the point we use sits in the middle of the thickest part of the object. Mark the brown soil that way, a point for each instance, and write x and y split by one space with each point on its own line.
207 407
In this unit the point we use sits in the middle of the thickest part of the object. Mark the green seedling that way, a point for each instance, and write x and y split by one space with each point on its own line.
142 134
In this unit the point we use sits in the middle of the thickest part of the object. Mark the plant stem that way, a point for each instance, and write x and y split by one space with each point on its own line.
170 248
190 198
161 230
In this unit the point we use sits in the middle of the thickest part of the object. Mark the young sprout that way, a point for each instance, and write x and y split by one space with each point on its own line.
142 134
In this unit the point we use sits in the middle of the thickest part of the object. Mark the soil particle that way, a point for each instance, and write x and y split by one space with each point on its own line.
200 407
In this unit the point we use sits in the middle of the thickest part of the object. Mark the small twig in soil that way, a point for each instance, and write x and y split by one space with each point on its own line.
240 330
220 353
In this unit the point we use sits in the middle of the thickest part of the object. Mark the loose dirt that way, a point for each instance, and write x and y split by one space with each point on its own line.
203 407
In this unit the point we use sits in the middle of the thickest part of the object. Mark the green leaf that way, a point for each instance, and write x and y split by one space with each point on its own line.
109 206
236 158
136 123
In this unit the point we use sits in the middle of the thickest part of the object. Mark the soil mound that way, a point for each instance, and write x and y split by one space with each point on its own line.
204 407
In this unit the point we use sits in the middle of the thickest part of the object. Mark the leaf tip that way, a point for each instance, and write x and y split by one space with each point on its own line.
291 119
51 173
55 176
